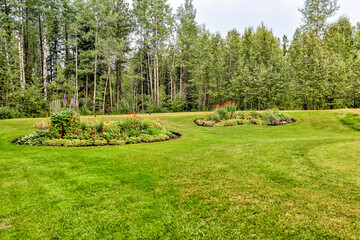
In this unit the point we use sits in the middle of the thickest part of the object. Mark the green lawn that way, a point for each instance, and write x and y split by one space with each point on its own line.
300 180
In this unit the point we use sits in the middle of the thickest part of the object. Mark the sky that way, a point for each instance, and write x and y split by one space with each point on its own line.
282 16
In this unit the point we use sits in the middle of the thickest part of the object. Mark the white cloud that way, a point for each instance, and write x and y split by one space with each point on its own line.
282 16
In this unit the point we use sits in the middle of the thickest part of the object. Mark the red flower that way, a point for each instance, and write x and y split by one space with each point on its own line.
100 132
95 115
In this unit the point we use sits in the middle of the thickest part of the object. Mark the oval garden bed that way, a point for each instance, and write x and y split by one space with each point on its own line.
226 115
65 129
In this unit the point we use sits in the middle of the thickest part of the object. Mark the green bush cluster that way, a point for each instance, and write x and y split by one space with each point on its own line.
37 138
7 113
274 117
220 119
67 130
64 120
220 114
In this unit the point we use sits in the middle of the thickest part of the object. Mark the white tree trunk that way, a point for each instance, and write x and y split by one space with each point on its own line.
76 75
44 63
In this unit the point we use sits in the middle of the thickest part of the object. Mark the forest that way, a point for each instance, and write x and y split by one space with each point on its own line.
116 57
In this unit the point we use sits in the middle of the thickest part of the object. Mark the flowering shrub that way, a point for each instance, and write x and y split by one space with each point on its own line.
66 130
63 120
226 115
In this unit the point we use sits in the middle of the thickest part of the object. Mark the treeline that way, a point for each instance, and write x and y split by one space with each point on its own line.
107 56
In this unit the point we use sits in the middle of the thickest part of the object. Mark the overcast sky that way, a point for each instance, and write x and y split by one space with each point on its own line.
282 16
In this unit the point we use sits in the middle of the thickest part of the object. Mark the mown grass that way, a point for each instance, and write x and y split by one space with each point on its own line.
296 181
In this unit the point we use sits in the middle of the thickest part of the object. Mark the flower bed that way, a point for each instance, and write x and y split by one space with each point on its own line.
226 115
65 129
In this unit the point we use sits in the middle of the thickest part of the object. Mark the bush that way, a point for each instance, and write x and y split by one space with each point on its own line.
117 142
146 138
170 134
223 113
231 107
231 122
7 113
271 117
240 115
36 139
208 123
132 140
64 119
100 142
216 117
284 117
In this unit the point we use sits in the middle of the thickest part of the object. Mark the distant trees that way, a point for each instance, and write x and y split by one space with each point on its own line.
106 56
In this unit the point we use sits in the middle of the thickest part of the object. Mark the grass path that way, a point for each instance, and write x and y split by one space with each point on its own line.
297 181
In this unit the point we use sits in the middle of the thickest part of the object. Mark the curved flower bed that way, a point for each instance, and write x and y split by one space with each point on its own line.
65 129
226 115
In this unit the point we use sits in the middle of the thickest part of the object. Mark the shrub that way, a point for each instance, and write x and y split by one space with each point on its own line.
284 117
163 137
132 140
231 122
100 142
36 139
216 117
117 142
170 134
224 115
271 117
146 138
64 119
7 113
231 107
254 115
208 123
240 115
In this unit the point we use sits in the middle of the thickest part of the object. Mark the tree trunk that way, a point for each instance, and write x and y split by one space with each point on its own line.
21 53
76 74
142 84
86 88
41 45
118 80
110 89
95 66
67 52
106 82
27 74
8 79
181 79
44 63
150 79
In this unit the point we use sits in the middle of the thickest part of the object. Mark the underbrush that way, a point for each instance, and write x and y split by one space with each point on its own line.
65 129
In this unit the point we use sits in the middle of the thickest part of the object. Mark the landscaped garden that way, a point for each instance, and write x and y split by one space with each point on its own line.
294 181
227 115
65 129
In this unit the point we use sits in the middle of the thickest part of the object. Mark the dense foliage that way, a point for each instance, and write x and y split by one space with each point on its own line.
66 129
83 50
226 115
